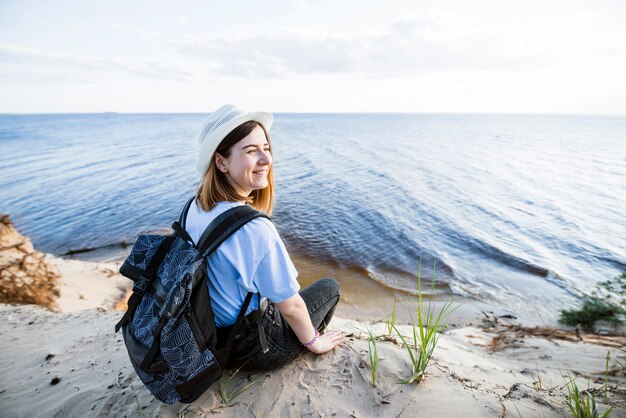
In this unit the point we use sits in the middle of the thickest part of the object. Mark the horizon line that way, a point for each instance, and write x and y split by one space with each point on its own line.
324 113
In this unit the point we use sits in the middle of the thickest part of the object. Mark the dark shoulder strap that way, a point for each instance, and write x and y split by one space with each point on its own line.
179 226
182 220
224 353
214 235
224 226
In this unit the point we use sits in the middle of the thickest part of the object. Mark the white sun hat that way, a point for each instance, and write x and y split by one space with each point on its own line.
219 124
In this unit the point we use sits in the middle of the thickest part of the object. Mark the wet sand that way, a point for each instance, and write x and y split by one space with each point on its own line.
362 297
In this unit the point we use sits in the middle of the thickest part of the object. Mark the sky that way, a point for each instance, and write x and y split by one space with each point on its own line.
548 56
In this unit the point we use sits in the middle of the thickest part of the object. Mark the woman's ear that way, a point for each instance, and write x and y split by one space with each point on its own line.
221 163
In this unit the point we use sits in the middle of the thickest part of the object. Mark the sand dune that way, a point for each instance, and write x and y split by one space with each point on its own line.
70 363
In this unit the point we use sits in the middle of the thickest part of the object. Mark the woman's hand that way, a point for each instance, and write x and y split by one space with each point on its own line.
294 311
326 342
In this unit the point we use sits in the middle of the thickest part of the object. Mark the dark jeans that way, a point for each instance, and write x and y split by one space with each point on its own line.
321 298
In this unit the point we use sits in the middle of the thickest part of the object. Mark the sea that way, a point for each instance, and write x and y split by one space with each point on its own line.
522 211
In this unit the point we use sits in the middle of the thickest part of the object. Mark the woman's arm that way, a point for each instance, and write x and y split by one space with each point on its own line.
295 312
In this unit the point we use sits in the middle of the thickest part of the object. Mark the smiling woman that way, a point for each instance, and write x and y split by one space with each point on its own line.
236 163
241 169
248 165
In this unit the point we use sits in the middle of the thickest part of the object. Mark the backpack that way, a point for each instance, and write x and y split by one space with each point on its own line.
169 329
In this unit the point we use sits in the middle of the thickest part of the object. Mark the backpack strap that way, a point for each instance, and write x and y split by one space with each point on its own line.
263 339
215 234
179 226
224 353
183 215
224 226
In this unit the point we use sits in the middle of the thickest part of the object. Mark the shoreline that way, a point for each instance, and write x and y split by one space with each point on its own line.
71 363
357 287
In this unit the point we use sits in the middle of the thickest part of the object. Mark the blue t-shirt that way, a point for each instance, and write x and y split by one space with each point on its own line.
253 259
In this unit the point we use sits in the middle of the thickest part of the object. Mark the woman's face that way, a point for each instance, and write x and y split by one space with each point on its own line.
249 163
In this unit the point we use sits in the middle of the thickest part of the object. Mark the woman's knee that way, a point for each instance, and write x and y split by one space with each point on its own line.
330 286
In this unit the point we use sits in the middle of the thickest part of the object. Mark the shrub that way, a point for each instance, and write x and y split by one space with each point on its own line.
600 306
592 310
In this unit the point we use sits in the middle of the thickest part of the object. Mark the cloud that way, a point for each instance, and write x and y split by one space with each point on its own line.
10 75
140 32
272 56
413 45
82 68
407 47
157 70
19 54
180 19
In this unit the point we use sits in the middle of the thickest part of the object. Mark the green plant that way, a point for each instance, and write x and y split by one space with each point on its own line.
373 354
425 332
592 310
621 361
600 305
582 404
391 320
615 286
606 373
229 395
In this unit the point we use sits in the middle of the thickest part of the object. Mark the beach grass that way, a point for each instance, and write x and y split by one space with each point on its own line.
621 360
581 403
227 394
430 322
606 373
373 354
391 319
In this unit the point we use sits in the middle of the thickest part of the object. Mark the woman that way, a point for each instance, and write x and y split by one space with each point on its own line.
236 162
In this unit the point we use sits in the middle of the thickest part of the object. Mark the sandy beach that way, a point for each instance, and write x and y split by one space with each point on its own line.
65 360
464 159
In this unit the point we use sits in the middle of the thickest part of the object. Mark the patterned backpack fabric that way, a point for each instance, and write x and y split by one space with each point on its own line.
169 329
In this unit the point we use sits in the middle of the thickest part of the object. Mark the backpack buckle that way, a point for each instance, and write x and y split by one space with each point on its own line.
141 285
